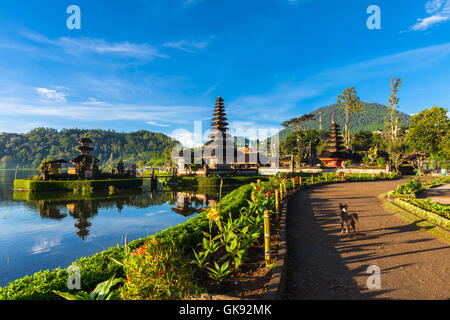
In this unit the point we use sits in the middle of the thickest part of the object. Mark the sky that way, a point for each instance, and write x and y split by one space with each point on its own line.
159 65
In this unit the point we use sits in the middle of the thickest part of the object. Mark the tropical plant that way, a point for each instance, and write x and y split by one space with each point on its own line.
409 188
101 292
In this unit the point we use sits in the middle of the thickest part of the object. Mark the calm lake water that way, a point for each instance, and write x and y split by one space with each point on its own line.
53 231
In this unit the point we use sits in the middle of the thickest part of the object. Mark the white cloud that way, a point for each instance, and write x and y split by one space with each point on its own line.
426 23
153 123
52 95
439 11
188 46
79 46
95 102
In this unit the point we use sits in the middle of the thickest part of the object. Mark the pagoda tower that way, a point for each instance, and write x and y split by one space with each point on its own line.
215 152
85 164
335 153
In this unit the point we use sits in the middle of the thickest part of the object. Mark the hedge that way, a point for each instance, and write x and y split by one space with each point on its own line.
99 267
42 186
427 215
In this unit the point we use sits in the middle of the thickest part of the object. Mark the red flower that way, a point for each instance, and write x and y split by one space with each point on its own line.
259 189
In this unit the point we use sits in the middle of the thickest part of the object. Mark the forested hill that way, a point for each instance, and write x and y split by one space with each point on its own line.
372 118
28 150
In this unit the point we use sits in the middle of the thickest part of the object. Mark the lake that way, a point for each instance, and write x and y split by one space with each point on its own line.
46 231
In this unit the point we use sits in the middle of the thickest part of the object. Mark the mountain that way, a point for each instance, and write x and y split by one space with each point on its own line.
29 149
371 119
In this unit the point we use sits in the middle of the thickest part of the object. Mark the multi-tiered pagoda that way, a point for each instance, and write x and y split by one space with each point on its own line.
335 153
85 165
215 153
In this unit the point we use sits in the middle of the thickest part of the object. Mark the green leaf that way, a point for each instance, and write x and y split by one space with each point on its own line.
69 296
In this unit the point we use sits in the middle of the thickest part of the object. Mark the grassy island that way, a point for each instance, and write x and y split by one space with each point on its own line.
34 185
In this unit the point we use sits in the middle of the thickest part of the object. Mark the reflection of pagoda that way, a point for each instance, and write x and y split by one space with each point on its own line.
85 164
186 202
49 210
215 149
82 210
335 152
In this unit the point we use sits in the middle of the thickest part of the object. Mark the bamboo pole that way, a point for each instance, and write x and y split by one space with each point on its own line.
267 237
277 203
281 191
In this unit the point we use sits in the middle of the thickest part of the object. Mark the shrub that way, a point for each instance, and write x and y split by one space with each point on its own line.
366 160
157 271
409 188
381 162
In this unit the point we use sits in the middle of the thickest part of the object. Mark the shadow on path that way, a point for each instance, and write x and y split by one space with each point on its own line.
325 264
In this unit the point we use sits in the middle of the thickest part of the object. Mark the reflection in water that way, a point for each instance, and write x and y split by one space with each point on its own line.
84 210
40 231
188 203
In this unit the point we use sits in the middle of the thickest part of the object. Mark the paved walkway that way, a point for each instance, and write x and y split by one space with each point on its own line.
440 194
324 264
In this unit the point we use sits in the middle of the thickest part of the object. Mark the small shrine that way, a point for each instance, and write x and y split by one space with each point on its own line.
85 165
335 153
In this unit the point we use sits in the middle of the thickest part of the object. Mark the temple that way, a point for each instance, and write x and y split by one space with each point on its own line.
215 151
85 165
335 153
222 154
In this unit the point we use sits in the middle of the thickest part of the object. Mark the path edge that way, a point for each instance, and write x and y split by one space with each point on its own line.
275 288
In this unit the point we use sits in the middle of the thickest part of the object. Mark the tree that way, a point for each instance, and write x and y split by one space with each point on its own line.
351 103
297 142
392 121
120 167
445 146
362 141
427 130
395 128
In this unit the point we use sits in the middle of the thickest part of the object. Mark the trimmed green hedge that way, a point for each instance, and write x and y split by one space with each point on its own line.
42 186
99 267
427 215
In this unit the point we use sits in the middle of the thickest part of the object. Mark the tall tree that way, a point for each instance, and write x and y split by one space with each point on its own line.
427 130
392 123
350 101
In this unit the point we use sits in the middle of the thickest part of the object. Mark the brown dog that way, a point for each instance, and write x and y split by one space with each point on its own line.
348 218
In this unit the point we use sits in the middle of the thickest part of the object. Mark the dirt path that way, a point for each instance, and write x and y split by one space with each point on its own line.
324 264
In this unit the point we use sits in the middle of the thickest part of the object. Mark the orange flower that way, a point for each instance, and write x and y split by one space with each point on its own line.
213 214
253 197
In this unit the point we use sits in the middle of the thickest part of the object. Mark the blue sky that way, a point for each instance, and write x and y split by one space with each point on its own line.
159 65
